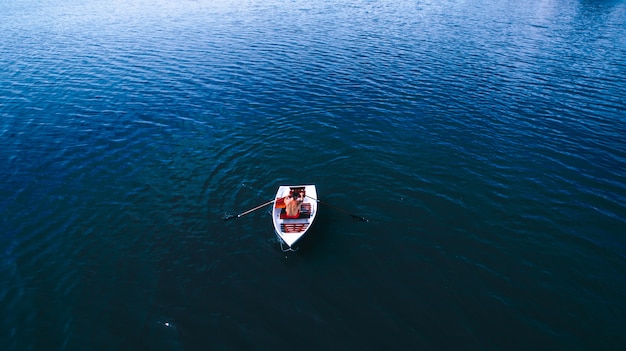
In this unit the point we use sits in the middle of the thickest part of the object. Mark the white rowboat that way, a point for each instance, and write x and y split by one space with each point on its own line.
290 230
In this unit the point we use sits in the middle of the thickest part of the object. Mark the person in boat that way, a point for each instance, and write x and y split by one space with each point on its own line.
293 203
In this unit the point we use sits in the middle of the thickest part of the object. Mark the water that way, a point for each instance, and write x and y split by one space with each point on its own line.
484 141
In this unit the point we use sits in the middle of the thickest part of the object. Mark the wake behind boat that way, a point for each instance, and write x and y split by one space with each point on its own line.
291 227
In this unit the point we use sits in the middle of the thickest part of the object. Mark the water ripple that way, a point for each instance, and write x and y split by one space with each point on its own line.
484 141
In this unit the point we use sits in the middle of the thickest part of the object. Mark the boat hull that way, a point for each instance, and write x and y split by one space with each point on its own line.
290 230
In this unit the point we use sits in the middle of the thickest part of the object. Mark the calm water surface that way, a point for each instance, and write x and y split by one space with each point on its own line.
484 140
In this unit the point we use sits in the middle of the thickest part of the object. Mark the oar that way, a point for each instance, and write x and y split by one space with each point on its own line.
248 211
355 217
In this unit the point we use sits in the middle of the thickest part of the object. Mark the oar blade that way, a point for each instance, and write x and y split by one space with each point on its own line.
227 217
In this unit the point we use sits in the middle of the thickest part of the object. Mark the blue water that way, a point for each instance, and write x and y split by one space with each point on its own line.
484 140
